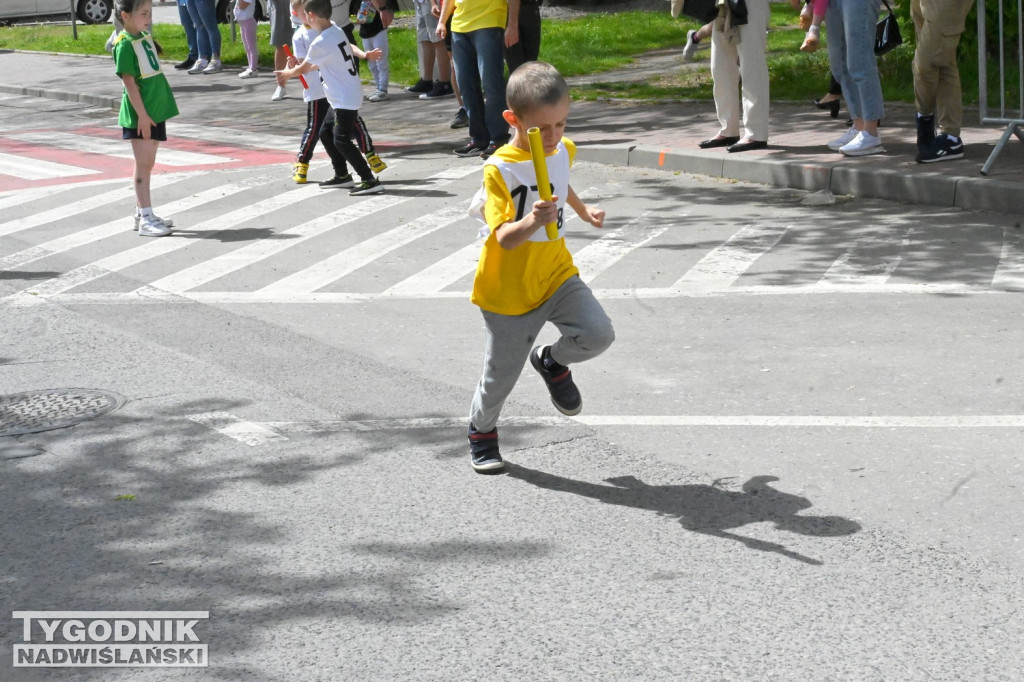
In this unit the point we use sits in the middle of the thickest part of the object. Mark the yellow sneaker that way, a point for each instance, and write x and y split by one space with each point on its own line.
376 164
299 173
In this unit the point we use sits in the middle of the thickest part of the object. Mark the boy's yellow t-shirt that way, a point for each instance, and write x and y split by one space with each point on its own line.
515 281
473 15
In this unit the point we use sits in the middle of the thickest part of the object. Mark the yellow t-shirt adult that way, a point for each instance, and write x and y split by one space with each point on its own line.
472 15
515 281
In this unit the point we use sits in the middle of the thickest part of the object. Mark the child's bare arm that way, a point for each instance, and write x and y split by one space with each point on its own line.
135 97
513 234
294 72
590 214
372 55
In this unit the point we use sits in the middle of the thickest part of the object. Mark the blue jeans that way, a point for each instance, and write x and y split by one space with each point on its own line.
479 57
204 16
190 28
851 54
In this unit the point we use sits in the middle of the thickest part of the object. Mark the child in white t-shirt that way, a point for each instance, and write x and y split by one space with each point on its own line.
334 56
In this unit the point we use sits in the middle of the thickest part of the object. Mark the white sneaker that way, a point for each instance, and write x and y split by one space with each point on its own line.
168 222
691 45
151 226
213 67
844 140
378 96
865 143
248 73
199 66
279 94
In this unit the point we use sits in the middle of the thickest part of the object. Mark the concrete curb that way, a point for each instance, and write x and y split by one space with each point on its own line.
933 189
80 97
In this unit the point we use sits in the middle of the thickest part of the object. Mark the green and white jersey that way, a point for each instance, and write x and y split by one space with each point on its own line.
135 55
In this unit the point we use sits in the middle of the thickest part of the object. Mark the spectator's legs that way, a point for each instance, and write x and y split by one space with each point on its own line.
725 88
854 21
753 71
464 54
206 10
528 47
248 29
190 29
202 37
490 48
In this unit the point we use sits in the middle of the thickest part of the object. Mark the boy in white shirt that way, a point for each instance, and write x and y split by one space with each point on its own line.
334 56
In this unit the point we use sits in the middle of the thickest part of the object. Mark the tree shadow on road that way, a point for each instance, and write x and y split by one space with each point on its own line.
706 509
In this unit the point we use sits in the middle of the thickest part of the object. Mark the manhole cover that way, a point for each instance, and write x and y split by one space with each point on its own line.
37 411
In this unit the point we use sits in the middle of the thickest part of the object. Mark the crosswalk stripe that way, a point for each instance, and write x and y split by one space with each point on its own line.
157 247
36 169
18 197
241 138
111 147
215 268
1009 273
226 263
62 213
724 264
861 266
441 274
114 227
611 247
337 266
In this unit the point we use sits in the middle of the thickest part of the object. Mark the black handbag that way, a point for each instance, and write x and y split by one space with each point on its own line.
887 33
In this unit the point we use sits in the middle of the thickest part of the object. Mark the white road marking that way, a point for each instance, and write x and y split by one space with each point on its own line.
1010 272
250 433
157 247
1012 421
857 267
114 227
36 169
724 264
613 246
441 274
63 212
337 266
109 147
215 268
231 136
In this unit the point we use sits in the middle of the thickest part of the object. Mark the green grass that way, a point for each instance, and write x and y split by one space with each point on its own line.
587 45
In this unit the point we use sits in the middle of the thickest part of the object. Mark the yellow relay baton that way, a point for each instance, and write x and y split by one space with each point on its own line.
540 167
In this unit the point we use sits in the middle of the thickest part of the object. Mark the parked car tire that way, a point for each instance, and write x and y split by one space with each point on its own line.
95 11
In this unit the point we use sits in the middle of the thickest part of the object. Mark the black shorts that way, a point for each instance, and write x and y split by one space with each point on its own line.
157 132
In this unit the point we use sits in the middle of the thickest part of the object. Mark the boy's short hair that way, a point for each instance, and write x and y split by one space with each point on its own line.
320 8
298 3
534 84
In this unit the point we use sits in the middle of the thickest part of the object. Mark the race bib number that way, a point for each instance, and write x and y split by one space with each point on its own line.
145 50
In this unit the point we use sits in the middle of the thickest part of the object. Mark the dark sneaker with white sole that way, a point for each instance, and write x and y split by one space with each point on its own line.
564 394
942 148
344 181
484 449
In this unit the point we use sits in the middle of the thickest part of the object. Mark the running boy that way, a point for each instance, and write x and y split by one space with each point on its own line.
146 105
525 279
333 55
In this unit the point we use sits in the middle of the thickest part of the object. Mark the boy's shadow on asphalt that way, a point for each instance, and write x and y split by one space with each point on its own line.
706 509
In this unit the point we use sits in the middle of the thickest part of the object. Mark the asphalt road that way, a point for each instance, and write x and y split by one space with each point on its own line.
800 459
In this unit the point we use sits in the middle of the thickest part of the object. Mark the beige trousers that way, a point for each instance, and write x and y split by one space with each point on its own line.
938 25
733 63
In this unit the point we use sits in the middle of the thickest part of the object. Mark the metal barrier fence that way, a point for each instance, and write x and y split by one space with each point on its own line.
1014 120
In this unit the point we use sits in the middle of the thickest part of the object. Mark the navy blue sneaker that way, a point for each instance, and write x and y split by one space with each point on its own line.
484 449
942 148
564 394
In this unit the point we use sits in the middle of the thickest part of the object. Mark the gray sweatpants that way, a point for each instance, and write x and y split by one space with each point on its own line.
586 333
